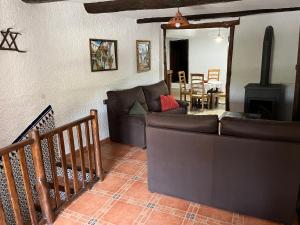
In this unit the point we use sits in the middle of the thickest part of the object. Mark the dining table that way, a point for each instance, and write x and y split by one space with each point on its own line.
211 88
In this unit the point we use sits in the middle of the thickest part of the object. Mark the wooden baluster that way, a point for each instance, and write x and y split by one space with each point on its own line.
88 147
53 170
81 151
64 164
27 185
12 189
42 186
73 160
96 140
2 214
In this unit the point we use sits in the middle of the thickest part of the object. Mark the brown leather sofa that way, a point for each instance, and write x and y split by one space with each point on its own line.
252 167
130 129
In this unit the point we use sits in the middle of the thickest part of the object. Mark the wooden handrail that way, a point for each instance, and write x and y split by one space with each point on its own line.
66 127
15 146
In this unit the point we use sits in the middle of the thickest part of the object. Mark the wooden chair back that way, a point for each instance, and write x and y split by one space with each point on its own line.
214 74
197 84
197 88
182 84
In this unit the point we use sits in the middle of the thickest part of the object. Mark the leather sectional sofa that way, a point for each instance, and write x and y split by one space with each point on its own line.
130 129
247 166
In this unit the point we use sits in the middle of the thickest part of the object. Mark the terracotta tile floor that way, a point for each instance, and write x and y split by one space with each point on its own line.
123 198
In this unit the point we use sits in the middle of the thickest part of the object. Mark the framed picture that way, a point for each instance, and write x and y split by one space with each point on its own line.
143 55
104 55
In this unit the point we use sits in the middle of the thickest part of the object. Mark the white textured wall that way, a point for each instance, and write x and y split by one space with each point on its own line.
247 55
204 52
56 68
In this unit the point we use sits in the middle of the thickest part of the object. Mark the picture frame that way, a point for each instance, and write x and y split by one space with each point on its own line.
104 55
143 55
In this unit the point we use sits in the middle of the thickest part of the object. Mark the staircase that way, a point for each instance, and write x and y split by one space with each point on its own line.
65 177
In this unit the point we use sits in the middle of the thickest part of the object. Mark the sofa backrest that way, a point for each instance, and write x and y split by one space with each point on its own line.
260 129
153 93
120 102
203 124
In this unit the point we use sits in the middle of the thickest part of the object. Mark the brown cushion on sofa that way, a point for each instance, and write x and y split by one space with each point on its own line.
204 124
122 101
261 129
153 93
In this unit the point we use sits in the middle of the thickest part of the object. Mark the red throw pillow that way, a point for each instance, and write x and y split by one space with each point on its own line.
168 102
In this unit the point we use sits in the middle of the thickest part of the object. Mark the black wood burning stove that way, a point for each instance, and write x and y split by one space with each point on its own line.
265 98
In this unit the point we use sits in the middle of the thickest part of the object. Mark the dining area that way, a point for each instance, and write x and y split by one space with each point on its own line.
204 92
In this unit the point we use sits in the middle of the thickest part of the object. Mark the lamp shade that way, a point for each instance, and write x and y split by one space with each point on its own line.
179 20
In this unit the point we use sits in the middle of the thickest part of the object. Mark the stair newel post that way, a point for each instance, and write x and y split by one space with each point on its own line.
42 186
96 140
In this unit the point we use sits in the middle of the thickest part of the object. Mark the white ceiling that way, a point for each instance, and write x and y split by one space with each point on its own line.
204 9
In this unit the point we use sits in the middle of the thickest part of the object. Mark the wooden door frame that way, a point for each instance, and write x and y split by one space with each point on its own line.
296 106
225 24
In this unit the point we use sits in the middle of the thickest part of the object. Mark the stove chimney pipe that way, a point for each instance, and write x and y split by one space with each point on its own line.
266 56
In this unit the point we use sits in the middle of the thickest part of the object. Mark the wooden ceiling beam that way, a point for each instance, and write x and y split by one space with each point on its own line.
219 15
224 24
129 5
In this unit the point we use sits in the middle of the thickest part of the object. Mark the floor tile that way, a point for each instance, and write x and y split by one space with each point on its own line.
108 164
64 221
139 155
128 168
255 221
88 204
216 214
174 203
111 184
159 218
122 214
139 191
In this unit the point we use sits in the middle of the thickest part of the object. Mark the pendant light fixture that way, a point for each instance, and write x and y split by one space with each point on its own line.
179 20
219 38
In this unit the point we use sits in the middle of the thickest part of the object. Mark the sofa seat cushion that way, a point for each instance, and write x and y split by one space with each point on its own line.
153 93
203 124
261 129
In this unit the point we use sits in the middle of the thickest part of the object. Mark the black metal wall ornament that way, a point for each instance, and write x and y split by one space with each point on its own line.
9 40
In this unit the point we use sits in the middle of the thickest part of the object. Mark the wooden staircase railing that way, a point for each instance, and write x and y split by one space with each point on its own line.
11 185
86 160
